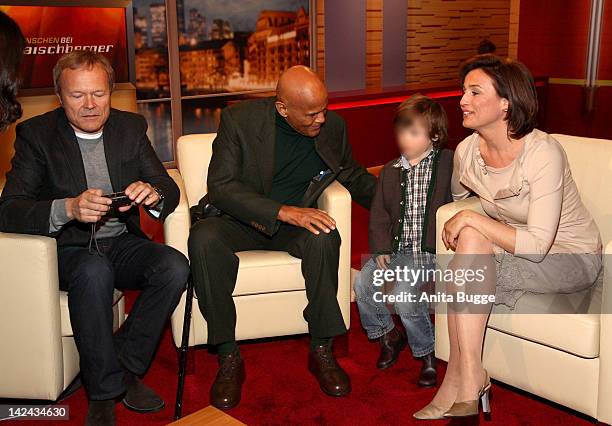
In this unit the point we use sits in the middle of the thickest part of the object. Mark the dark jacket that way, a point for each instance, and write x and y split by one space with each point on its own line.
242 165
387 210
48 165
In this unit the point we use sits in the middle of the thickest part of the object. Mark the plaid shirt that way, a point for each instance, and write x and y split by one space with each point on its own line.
415 185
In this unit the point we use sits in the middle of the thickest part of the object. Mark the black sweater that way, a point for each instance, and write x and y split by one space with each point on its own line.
296 162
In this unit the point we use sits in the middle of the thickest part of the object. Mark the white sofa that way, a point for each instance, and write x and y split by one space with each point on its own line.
563 357
270 294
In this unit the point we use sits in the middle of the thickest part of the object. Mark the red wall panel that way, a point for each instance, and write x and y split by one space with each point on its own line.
553 36
553 39
565 113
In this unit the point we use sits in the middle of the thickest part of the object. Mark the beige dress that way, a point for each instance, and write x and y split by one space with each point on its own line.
558 245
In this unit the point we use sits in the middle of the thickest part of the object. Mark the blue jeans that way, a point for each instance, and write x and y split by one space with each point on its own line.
375 316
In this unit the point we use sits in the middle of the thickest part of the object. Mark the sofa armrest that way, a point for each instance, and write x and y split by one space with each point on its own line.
336 201
177 224
604 408
31 360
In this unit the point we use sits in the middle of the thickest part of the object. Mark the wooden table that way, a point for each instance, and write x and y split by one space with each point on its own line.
208 416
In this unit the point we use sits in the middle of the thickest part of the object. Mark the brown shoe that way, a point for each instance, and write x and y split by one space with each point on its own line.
332 379
391 344
227 388
428 376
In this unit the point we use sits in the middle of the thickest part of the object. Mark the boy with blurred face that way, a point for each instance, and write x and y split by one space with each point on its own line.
402 234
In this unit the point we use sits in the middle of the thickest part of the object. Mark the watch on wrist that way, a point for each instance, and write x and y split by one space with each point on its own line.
160 194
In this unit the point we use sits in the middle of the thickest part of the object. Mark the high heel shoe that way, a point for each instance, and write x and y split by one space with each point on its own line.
430 412
470 408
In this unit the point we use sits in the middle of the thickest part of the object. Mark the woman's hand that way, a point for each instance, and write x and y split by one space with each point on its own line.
453 227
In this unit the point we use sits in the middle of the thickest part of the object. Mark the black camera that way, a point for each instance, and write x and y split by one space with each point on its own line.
119 199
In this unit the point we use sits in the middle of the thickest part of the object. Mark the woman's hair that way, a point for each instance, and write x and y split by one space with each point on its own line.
512 81
12 44
82 59
419 107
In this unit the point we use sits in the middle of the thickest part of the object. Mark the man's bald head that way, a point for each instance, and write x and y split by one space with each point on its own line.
301 97
299 82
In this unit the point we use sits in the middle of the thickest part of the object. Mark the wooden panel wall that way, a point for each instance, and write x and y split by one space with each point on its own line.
320 59
374 41
513 37
443 33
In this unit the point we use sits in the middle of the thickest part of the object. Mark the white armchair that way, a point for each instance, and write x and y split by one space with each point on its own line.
270 294
563 357
38 356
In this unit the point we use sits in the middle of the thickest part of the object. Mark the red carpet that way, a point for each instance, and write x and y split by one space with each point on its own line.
279 390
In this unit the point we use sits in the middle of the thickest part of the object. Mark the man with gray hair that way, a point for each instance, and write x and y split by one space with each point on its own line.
65 162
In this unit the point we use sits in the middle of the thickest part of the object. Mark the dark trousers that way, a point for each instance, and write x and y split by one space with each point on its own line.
213 243
127 262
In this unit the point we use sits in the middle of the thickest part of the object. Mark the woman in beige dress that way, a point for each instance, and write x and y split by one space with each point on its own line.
536 236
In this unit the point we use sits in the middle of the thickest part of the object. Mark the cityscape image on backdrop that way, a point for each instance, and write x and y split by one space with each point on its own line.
224 46
227 50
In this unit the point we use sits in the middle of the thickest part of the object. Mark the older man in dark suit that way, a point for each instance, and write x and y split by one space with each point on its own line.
65 162
271 160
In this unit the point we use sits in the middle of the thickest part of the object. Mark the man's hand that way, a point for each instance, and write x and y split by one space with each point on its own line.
89 207
382 261
311 219
140 193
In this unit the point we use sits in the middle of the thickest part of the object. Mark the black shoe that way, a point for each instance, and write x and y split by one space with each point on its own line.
391 344
226 390
332 379
139 397
428 375
101 413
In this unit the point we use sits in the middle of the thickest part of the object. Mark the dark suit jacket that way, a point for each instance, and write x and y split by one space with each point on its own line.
242 165
48 165
386 210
